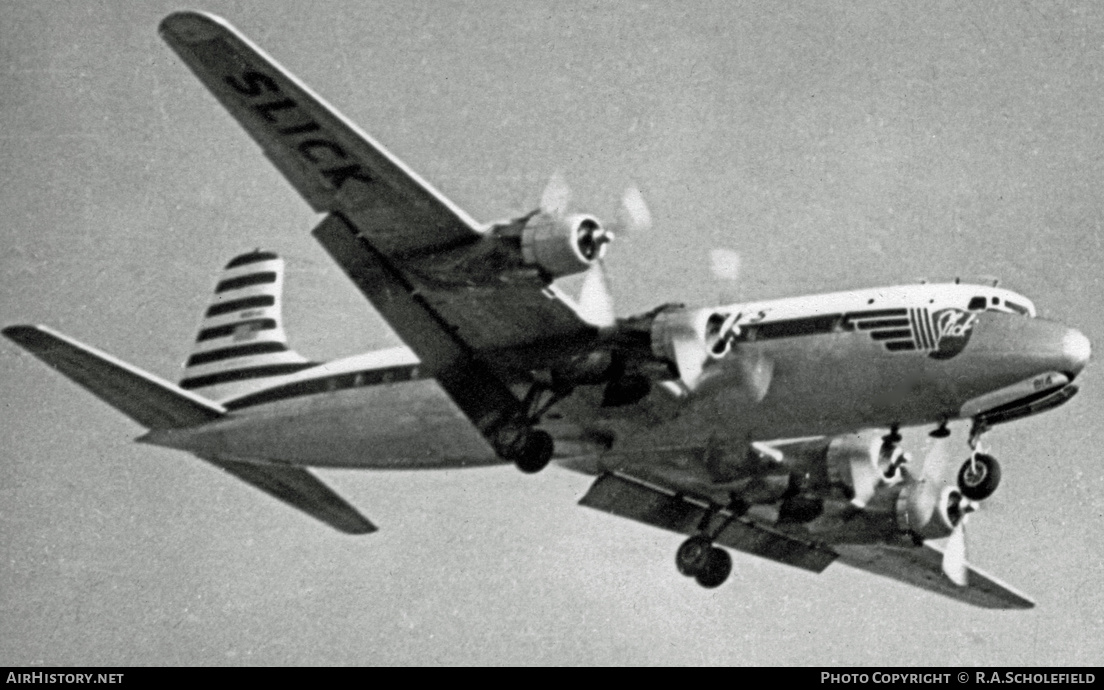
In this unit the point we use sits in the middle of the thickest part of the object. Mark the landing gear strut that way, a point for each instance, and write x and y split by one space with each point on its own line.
698 558
980 474
528 448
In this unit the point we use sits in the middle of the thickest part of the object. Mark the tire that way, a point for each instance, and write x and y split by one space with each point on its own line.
535 452
717 569
692 556
979 485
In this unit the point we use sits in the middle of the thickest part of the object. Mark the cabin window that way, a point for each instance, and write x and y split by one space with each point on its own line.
996 300
977 304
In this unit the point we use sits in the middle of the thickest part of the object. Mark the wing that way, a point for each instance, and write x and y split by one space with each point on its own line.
629 497
413 228
334 165
922 567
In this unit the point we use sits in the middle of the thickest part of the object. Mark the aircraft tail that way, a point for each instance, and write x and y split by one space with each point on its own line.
241 346
152 402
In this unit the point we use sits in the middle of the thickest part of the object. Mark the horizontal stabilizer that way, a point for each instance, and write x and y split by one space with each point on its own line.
630 498
300 489
923 567
152 402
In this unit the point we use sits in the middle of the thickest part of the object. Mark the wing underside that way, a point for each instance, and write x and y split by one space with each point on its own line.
923 567
643 501
342 171
628 497
332 163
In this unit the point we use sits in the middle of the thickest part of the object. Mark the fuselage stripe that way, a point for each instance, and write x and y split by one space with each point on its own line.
326 384
930 330
898 334
882 323
243 374
917 330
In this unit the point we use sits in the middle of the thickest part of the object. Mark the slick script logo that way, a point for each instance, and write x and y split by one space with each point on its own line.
952 331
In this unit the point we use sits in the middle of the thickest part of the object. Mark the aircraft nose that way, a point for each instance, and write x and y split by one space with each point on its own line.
1076 351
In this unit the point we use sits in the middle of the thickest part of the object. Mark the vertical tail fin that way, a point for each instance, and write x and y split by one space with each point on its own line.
241 345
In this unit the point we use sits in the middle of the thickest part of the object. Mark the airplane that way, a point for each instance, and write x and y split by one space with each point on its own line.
771 428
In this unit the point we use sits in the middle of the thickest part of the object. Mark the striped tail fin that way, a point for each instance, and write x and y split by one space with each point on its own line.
242 346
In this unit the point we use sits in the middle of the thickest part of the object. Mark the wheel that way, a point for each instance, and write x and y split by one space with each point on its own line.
717 569
533 453
693 555
979 484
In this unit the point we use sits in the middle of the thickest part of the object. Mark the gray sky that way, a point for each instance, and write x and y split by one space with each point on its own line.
834 148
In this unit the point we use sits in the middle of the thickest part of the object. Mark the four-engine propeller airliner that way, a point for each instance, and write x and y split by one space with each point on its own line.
771 427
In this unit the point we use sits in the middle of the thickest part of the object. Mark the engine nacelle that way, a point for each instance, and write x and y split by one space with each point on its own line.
864 464
563 246
928 509
674 329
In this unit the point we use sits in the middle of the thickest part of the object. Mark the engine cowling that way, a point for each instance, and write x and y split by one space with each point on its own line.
929 510
864 464
563 246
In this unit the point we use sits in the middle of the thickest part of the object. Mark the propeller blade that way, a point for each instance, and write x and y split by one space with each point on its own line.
756 372
556 196
935 462
725 264
633 214
690 358
595 304
954 555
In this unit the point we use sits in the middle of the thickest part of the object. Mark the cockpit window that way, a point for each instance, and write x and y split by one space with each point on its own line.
977 304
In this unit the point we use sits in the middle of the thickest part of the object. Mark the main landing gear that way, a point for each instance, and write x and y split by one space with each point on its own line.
698 558
980 475
528 448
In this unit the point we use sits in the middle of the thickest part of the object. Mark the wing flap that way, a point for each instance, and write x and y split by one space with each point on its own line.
302 490
152 402
922 567
328 159
627 497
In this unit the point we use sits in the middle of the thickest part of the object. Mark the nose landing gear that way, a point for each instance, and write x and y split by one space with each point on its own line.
980 475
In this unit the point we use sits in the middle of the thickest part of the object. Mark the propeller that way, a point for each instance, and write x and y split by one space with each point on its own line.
556 196
954 552
724 264
595 303
958 509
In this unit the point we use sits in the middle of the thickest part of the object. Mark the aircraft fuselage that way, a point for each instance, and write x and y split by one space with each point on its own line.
840 362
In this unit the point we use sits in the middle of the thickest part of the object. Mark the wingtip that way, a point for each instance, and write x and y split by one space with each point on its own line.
190 26
24 334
